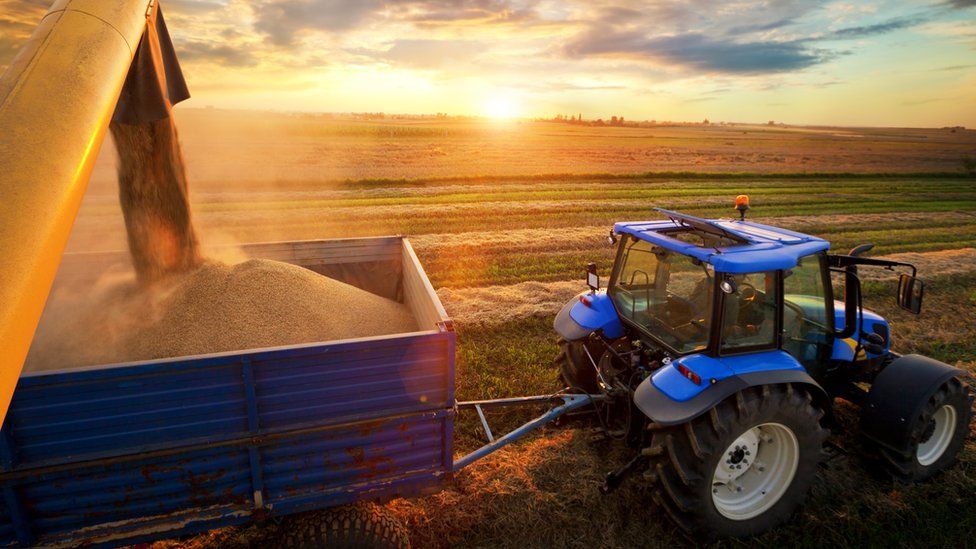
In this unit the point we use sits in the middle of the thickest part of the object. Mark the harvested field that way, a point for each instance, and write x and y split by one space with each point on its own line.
218 307
228 149
505 243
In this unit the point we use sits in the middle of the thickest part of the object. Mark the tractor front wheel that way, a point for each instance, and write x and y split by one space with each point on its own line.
742 468
575 368
937 434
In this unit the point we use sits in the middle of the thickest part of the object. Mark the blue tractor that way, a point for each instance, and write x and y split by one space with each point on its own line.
720 350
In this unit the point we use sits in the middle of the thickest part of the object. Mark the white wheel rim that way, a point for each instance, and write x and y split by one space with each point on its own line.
943 426
755 471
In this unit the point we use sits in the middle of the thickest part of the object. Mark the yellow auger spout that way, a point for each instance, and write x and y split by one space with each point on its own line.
56 101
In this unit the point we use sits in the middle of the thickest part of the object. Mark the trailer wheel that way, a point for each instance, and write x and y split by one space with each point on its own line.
575 369
937 435
743 467
358 526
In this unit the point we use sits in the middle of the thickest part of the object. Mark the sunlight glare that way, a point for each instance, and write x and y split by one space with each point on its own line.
501 107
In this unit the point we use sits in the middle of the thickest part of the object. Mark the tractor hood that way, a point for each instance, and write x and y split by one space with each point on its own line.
587 313
872 322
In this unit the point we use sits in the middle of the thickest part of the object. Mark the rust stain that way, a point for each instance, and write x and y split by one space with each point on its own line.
374 466
200 493
370 428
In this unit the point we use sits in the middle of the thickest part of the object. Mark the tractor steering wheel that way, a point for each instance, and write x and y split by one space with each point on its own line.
748 292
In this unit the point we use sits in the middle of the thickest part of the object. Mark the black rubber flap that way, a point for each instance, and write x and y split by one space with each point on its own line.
155 81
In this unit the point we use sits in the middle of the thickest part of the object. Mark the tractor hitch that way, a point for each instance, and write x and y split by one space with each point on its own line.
615 478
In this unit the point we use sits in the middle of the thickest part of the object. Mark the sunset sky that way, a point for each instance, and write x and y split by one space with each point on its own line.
845 63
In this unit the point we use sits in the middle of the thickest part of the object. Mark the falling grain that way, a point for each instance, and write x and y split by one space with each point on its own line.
154 196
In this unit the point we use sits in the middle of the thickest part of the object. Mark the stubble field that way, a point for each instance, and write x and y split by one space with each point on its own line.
504 217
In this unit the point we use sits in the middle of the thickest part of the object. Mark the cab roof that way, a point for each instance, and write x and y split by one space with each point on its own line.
756 247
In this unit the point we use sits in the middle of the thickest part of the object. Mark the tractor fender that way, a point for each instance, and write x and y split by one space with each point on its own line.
897 396
664 410
587 313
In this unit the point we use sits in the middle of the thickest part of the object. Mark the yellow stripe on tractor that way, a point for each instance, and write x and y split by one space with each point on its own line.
861 355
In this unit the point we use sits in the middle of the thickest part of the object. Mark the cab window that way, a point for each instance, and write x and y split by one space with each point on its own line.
749 313
808 323
665 294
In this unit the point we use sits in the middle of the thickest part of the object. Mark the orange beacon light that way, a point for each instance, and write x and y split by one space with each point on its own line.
742 204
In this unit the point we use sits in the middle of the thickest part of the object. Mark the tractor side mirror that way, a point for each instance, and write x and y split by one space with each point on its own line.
592 279
861 250
910 292
611 238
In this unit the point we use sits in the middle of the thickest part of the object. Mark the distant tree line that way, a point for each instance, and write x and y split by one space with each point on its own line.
619 121
578 119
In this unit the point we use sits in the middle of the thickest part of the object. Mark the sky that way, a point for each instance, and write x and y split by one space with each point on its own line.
853 63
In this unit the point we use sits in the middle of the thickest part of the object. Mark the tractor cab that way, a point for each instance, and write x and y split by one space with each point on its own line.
687 286
724 288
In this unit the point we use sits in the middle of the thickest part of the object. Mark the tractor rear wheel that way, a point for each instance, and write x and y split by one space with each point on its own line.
742 468
575 369
936 436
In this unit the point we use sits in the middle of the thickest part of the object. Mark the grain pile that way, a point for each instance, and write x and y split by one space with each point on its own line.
217 307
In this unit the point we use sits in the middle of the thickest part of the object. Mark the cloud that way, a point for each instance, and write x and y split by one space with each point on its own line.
424 54
218 53
697 51
432 12
863 31
961 4
193 7
281 20
761 26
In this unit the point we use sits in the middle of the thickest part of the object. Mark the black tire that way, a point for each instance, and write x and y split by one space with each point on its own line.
684 458
575 368
358 526
953 393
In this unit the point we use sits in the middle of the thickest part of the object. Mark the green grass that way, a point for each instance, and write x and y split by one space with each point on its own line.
780 191
650 176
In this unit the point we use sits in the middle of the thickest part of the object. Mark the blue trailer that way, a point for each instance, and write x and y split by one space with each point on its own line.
135 452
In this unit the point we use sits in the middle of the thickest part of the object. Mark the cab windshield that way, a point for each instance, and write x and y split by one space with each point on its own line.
665 294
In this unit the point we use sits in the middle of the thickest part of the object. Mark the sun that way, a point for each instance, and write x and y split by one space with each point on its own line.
501 107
